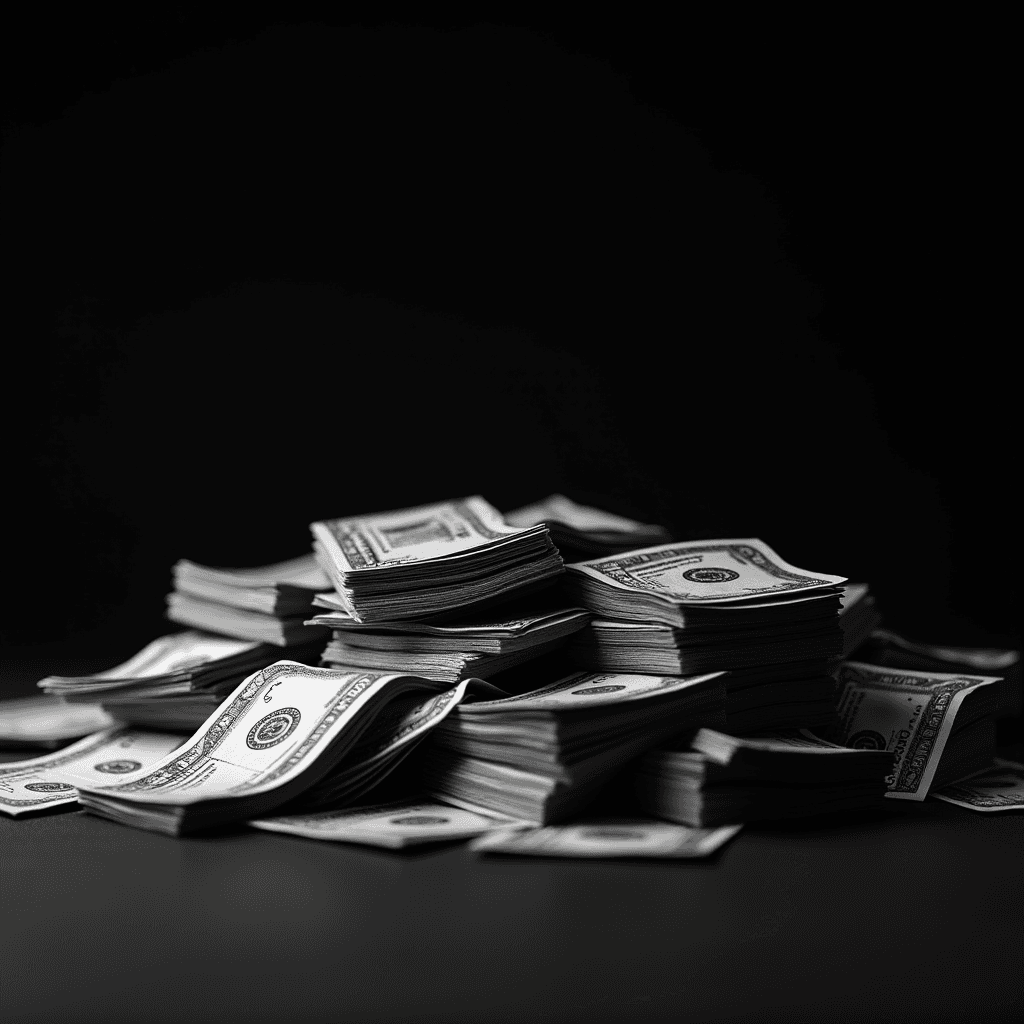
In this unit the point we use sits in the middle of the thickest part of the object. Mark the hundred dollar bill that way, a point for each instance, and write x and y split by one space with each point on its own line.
660 582
1001 788
41 783
613 837
45 721
395 825
911 714
281 731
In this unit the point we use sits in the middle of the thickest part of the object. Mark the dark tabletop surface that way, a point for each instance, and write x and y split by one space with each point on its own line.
912 912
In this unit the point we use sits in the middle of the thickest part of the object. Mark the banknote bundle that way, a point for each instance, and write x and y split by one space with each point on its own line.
46 721
268 603
584 531
427 561
288 731
544 755
175 682
883 647
717 779
939 725
474 647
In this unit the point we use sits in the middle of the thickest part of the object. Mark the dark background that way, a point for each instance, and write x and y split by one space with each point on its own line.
742 278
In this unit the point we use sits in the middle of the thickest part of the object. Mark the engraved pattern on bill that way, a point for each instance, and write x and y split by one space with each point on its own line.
611 837
908 713
1001 788
703 572
50 781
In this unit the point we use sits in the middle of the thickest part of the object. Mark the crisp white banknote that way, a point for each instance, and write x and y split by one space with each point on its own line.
395 825
907 712
43 782
1001 788
612 837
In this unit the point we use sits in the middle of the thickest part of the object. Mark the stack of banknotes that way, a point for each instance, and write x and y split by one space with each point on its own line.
472 688
418 563
543 755
175 683
711 606
268 604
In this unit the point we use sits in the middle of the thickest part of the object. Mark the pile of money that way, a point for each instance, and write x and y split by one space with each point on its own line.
583 531
475 647
708 606
544 755
268 603
283 731
939 725
717 779
418 563
174 683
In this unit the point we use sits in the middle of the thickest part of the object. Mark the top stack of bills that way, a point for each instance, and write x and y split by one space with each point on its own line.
418 563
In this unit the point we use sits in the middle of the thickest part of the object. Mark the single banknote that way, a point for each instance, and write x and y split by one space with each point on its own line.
41 783
1000 788
612 837
395 825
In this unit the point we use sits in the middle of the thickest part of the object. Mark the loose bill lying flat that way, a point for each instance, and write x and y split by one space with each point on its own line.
611 837
46 721
915 715
395 825
42 783
1000 788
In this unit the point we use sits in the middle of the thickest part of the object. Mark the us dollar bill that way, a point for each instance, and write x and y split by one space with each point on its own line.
612 837
1001 788
704 572
274 729
394 825
41 783
908 713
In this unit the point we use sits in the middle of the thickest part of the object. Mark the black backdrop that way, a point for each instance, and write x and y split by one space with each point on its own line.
739 279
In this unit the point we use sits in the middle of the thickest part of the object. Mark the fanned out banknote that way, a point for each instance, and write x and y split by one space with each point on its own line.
582 530
883 647
717 779
610 837
543 755
43 783
420 562
279 735
702 584
939 725
999 788
395 825
47 721
458 651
